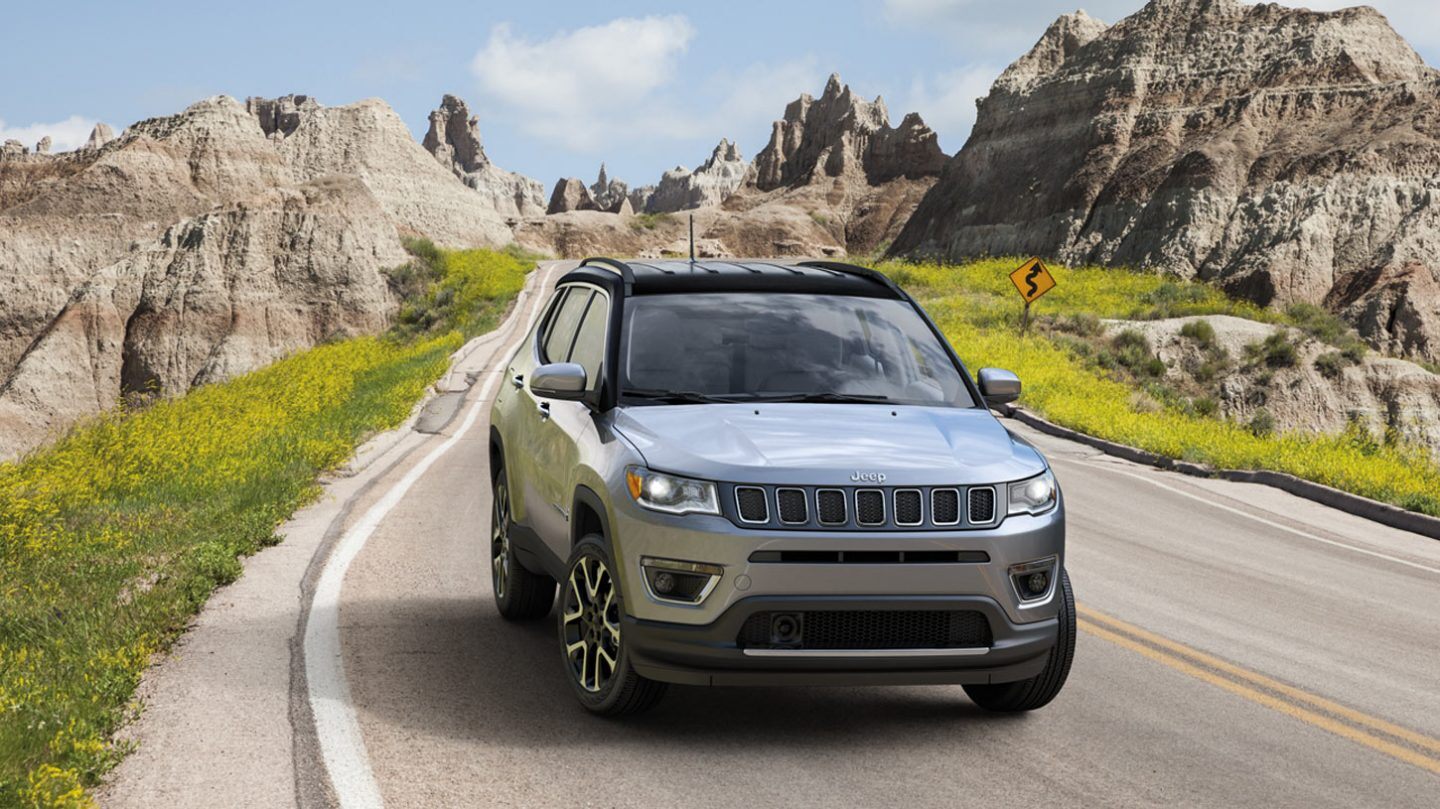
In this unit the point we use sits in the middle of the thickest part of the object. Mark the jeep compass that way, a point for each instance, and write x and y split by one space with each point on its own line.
760 472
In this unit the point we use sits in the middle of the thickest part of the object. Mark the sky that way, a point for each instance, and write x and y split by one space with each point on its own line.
559 87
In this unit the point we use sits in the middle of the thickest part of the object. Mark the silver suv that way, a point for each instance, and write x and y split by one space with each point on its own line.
761 473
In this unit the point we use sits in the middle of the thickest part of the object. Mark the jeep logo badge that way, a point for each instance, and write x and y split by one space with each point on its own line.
868 477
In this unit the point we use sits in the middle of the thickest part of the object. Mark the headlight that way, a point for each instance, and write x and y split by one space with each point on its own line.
671 494
1035 495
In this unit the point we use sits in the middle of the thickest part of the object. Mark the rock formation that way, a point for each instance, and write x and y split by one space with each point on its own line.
570 194
367 139
607 193
1288 155
711 184
205 244
842 135
99 136
836 162
454 140
835 178
13 148
43 146
1379 393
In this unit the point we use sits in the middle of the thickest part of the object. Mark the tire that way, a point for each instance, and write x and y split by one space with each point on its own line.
1036 692
519 594
597 661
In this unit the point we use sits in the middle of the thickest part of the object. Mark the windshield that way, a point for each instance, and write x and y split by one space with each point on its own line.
748 346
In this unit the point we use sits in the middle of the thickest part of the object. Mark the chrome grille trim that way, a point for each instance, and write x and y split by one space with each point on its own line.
764 501
884 512
820 512
959 506
895 507
994 505
804 506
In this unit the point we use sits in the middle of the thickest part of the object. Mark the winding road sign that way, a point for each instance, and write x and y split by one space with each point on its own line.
1032 279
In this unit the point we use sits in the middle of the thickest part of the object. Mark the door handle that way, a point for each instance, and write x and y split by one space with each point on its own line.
518 381
544 408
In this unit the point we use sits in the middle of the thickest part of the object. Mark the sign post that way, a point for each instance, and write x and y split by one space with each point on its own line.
1031 279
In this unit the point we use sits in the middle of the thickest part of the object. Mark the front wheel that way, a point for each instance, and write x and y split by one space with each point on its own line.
1036 692
596 659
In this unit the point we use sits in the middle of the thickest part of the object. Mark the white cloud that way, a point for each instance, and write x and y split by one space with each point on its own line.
947 101
65 135
563 87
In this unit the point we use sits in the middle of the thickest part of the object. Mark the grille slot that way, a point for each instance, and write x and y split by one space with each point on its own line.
908 507
871 557
830 506
982 505
752 504
870 507
874 629
794 509
945 506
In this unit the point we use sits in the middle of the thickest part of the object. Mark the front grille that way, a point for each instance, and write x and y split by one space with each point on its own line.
793 507
872 629
908 509
945 506
982 504
750 500
830 506
870 507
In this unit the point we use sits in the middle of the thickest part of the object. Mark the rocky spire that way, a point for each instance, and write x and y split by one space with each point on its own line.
99 136
840 134
454 137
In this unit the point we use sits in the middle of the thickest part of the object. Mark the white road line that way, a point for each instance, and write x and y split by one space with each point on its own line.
337 729
1397 560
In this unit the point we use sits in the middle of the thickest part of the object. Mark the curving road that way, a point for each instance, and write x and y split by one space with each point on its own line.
1239 646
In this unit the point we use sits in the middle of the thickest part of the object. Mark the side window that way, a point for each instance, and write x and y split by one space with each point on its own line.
589 350
561 331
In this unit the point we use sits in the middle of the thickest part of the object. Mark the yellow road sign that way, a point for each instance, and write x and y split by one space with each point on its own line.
1032 279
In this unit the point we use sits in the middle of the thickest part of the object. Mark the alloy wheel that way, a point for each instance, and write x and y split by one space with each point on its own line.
591 624
500 541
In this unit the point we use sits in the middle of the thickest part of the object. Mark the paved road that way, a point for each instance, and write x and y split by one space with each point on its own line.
1239 646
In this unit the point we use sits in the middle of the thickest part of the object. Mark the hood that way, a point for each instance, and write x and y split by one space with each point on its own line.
827 444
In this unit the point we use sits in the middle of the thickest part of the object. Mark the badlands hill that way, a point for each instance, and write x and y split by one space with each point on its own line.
1287 154
835 178
205 244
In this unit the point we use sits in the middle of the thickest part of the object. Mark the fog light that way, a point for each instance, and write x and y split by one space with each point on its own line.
679 582
1033 580
1037 583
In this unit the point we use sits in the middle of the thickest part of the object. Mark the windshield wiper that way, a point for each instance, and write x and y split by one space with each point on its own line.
675 396
827 397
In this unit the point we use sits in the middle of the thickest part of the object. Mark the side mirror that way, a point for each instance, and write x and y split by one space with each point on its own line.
998 386
559 380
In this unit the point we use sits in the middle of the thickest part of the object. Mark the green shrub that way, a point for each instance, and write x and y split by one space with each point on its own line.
1276 351
649 221
1200 331
1332 363
1261 423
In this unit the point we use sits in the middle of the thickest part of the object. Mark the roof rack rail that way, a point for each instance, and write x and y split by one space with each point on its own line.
626 274
851 269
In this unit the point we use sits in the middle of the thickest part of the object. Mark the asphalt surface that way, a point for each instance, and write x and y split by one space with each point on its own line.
1238 646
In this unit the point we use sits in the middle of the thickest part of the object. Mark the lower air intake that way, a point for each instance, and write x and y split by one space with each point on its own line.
869 629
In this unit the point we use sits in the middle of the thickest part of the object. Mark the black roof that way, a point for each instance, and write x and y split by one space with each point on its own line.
650 277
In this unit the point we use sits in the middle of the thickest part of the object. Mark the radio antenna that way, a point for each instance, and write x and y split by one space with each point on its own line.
692 238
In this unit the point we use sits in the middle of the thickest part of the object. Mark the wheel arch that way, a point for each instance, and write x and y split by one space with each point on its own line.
588 515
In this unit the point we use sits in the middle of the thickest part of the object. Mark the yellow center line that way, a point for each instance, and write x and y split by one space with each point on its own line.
1330 706
1096 624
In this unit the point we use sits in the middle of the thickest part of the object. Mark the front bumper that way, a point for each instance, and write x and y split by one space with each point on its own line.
710 655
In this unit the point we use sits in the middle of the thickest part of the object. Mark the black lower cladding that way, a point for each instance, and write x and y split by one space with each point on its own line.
868 629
